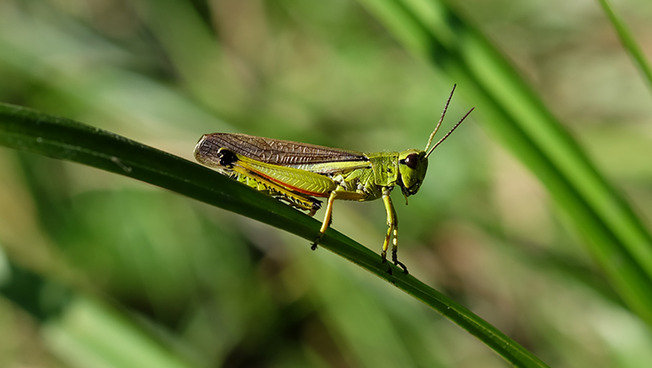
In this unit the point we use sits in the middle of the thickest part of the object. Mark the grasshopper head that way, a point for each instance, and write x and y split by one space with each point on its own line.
412 167
413 163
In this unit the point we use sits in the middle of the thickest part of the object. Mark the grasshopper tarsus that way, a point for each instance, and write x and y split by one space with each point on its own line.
313 245
401 265
398 263
389 266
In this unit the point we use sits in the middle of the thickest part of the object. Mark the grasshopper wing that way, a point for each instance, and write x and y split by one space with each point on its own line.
303 156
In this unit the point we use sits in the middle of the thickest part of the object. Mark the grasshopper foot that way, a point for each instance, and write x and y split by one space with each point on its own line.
401 265
314 244
397 262
389 267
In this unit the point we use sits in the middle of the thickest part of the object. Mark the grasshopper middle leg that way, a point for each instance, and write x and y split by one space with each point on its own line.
328 218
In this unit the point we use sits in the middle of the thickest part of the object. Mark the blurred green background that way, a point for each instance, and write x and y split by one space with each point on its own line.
106 271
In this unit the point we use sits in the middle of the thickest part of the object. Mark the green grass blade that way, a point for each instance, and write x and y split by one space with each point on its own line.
629 43
614 234
59 138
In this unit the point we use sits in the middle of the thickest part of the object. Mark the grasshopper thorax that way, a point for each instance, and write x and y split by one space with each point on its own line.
412 167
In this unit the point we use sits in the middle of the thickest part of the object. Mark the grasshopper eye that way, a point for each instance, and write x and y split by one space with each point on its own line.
411 160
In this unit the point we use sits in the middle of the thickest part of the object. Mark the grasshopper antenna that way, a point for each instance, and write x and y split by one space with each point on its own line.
449 132
441 119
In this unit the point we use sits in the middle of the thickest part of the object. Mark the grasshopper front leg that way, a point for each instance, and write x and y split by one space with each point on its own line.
327 220
392 231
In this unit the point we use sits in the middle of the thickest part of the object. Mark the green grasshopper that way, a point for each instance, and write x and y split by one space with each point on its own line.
297 173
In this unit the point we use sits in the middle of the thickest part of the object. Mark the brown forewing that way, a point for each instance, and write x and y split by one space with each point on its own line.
276 151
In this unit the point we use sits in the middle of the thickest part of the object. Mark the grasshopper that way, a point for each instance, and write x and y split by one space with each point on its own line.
298 173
